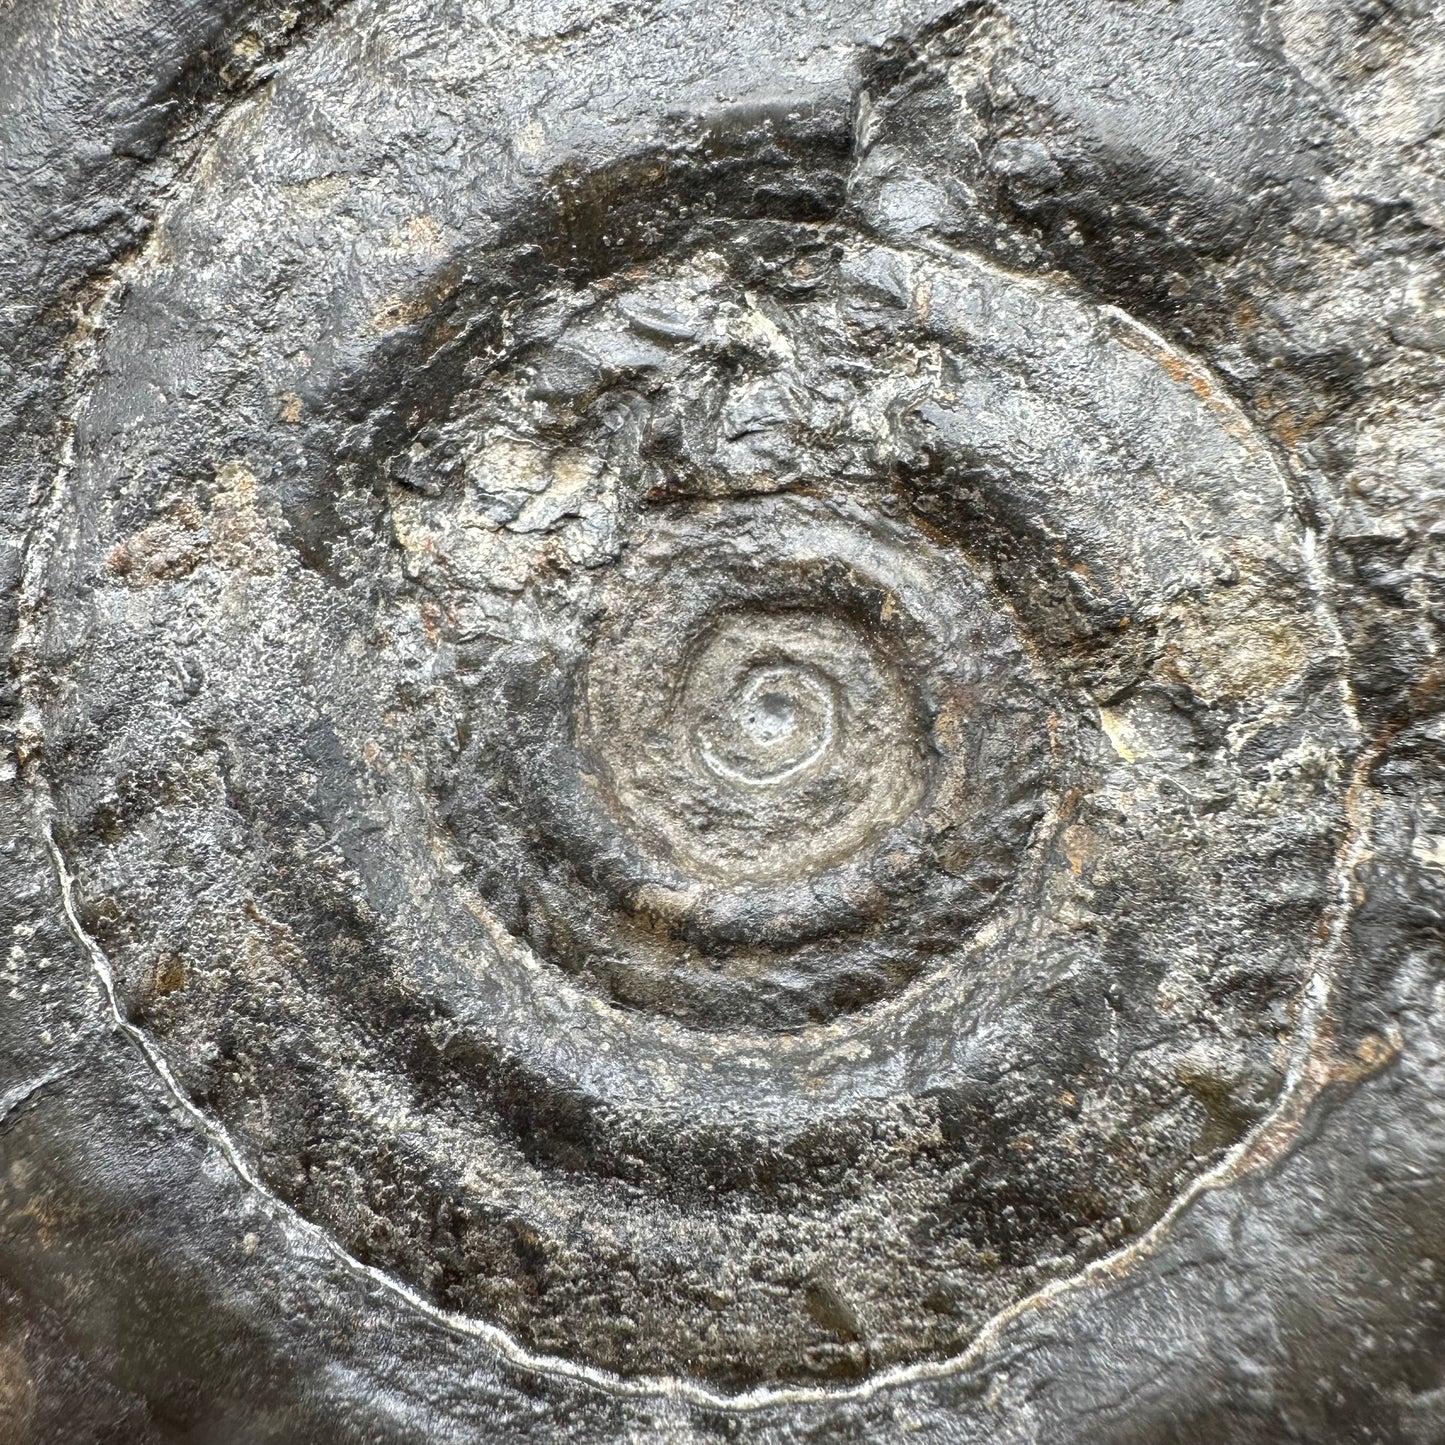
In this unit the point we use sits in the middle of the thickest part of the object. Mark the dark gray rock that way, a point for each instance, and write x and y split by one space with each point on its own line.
723 723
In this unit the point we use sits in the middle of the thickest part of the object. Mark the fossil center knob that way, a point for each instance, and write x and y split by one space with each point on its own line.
775 725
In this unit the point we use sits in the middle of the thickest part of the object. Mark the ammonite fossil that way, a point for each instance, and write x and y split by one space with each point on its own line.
692 753
764 839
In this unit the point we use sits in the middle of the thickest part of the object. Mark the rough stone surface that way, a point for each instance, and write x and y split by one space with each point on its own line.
723 723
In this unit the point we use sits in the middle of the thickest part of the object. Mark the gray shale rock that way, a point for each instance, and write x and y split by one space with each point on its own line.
724 723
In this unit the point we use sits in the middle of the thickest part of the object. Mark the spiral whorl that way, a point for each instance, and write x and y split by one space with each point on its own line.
707 863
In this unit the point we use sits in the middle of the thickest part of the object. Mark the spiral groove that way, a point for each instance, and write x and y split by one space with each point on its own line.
729 880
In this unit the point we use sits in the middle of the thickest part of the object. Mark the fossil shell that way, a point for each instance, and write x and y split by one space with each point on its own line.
786 814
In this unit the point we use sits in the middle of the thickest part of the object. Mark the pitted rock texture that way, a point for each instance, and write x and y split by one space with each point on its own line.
725 723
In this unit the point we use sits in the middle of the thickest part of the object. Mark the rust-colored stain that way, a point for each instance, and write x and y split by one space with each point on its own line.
1374 1050
223 528
44 1217
1077 845
1291 429
169 974
933 532
1181 371
161 552
1325 1068
270 944
401 309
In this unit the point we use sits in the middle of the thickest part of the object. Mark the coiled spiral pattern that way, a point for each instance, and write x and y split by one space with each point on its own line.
716 900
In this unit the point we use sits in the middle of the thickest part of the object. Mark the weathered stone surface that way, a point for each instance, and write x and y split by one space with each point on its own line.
723 723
